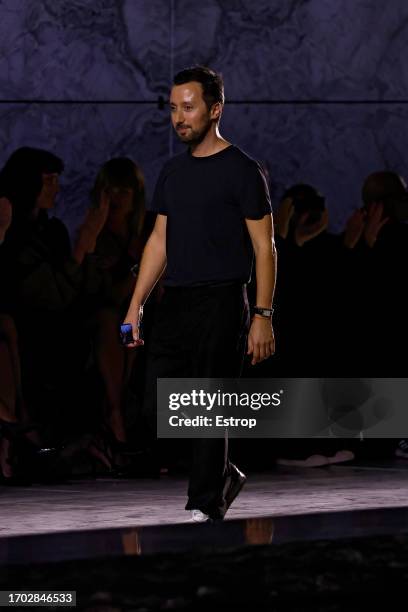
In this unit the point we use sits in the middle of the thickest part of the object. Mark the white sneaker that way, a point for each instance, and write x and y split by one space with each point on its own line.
199 517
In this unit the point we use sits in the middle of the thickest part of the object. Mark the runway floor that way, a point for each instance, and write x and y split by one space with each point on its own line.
94 518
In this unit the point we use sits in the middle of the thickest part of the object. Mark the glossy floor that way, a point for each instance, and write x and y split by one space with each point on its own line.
115 517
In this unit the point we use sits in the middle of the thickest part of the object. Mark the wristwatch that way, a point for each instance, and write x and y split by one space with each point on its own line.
264 312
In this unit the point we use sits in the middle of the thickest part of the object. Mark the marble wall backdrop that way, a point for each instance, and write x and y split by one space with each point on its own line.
112 59
298 49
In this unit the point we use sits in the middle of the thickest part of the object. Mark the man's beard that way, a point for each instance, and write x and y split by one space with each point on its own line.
194 137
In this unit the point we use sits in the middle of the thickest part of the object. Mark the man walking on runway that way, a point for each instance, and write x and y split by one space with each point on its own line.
213 214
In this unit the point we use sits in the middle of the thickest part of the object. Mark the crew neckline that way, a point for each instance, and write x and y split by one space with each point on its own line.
212 156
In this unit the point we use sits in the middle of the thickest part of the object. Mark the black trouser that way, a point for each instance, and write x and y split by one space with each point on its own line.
199 332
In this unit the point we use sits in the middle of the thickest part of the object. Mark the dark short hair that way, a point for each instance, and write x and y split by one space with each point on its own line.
211 82
21 177
305 198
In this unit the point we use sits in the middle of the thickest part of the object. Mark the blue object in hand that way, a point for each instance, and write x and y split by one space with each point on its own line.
126 333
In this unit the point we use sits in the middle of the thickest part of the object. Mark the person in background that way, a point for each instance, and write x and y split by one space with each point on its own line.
307 305
118 251
15 427
375 250
376 243
51 290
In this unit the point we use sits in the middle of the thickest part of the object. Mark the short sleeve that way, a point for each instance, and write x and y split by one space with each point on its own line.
158 203
254 198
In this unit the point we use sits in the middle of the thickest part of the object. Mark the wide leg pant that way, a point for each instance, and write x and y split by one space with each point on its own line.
199 332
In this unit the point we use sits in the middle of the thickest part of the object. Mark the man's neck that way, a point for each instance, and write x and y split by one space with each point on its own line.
212 143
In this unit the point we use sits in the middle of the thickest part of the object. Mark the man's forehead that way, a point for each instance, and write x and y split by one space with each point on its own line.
187 91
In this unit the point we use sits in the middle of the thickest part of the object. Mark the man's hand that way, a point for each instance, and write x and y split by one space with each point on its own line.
374 223
305 231
5 217
134 317
354 228
261 340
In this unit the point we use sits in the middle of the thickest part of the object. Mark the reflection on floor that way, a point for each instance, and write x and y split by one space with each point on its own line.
100 518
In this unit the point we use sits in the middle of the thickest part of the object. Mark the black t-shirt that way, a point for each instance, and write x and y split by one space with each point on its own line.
206 200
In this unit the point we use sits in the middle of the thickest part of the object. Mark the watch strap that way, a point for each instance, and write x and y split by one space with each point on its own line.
264 312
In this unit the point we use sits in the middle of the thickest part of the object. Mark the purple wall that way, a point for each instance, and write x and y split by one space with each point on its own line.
286 52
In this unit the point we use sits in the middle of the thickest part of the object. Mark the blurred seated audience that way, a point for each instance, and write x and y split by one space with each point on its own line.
340 306
51 292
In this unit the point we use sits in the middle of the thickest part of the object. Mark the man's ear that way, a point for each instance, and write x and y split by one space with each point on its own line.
216 110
